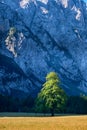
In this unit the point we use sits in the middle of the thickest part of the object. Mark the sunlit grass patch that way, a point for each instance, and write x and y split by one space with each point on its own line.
44 123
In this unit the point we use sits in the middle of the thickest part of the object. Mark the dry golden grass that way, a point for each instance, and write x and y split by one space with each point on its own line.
44 123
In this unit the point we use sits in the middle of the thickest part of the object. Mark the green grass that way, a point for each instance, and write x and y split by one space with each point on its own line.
24 114
21 114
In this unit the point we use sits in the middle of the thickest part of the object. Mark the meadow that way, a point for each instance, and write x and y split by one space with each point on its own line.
26 122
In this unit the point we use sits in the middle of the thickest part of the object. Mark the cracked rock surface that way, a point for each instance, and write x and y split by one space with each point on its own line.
51 35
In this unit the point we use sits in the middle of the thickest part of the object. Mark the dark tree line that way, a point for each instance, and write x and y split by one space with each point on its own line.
51 99
74 105
10 104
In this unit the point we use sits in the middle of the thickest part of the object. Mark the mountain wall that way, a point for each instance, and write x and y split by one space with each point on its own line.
50 35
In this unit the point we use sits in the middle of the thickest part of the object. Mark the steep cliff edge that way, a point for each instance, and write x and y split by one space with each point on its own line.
51 35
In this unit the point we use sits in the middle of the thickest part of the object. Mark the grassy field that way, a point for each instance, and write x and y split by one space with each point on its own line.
43 123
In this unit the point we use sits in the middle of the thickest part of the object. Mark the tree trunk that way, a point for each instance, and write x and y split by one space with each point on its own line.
52 112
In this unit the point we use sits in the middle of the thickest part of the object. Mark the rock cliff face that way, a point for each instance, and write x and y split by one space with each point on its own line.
50 35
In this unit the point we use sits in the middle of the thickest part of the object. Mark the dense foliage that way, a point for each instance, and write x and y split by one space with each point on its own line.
75 105
11 104
51 99
51 96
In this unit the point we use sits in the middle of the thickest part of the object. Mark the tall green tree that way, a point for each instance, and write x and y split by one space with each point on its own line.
51 96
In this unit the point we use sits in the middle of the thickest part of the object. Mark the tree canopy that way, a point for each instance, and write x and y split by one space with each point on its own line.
51 96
